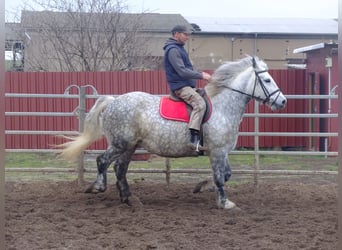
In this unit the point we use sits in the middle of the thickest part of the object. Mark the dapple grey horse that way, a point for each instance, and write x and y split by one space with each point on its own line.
132 120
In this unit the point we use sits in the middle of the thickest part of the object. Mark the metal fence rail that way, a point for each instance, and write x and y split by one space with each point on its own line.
80 111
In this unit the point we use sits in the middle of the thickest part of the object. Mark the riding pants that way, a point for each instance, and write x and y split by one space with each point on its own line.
191 97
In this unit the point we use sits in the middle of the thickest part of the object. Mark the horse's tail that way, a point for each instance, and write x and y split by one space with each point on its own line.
92 131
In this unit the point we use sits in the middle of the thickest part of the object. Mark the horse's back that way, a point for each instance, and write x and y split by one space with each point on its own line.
133 101
130 110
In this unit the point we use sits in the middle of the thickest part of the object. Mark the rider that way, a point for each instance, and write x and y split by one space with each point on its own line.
181 78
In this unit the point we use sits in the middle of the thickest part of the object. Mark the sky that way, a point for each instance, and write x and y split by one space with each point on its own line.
221 8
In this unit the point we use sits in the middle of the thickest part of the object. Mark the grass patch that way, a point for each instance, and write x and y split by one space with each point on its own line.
34 160
49 160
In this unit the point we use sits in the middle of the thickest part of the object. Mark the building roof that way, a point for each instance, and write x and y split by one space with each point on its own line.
148 22
163 23
264 25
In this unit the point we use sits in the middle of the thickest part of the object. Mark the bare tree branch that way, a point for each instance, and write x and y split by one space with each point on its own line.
85 35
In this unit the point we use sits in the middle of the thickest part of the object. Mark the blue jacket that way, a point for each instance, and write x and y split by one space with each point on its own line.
179 70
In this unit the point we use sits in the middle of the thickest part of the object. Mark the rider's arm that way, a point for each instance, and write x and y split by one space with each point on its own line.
177 63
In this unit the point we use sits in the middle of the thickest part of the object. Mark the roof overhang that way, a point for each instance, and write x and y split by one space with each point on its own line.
313 47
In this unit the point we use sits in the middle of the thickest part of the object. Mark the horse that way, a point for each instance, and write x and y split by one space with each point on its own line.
133 120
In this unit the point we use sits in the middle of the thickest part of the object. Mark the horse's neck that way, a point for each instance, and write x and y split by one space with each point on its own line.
231 103
235 102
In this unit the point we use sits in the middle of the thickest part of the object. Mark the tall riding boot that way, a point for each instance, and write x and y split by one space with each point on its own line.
195 142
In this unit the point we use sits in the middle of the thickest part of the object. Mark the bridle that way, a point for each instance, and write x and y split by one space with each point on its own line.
263 87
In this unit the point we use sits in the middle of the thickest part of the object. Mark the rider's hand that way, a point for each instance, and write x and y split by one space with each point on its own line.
206 76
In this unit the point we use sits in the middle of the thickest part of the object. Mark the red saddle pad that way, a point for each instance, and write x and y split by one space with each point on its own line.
173 110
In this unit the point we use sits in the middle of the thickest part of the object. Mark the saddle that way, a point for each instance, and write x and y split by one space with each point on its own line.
173 108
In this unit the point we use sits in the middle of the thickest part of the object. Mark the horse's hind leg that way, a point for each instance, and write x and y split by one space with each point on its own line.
103 161
120 168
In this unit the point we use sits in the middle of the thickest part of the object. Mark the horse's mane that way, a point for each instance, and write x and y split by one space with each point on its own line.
226 73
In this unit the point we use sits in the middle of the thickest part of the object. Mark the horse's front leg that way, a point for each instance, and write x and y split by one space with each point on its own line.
221 174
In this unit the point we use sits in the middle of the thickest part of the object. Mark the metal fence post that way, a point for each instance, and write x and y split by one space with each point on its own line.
168 170
256 144
82 114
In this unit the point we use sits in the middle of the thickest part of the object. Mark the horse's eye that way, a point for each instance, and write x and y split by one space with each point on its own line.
268 80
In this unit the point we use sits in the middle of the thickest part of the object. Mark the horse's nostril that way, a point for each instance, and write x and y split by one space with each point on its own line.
284 101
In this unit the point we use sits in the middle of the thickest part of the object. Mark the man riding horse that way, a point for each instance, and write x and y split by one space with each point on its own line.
181 78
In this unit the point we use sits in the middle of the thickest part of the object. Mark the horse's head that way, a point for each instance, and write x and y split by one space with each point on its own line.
265 89
248 76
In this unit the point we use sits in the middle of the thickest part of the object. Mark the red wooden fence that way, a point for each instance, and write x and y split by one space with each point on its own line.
291 82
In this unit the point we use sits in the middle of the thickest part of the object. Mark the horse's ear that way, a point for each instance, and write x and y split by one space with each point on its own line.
254 62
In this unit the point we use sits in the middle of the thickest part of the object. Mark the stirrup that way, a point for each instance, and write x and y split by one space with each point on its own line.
198 147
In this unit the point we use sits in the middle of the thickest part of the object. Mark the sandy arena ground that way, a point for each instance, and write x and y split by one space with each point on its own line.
278 215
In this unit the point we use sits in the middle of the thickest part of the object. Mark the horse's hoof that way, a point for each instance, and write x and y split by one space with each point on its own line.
126 201
200 186
227 204
205 185
89 189
93 188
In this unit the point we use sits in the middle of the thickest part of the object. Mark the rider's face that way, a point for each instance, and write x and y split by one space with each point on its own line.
182 37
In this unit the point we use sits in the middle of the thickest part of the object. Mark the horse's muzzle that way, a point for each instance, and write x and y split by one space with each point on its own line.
279 102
